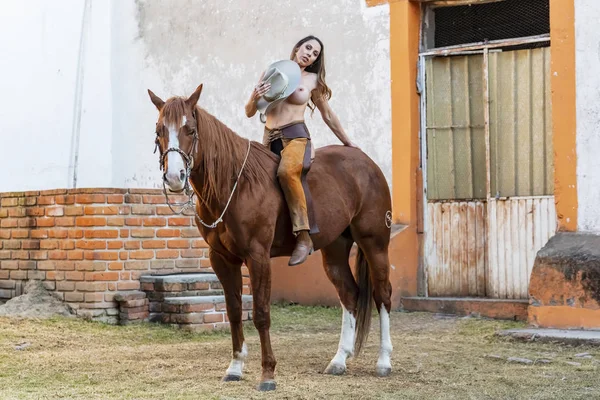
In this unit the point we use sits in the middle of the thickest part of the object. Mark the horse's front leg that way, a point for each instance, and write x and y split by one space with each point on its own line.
229 272
260 278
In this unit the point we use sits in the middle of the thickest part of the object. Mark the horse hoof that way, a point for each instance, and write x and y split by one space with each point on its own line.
267 386
231 378
382 372
335 369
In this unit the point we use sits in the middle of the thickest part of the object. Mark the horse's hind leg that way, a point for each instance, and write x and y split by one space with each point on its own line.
375 249
229 273
335 261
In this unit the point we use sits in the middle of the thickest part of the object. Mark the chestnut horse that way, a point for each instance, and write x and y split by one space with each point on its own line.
242 215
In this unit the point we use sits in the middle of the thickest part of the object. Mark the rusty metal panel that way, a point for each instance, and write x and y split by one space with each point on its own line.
455 249
455 128
520 123
518 229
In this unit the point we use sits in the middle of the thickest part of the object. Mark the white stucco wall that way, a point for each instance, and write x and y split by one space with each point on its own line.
170 47
587 15
40 65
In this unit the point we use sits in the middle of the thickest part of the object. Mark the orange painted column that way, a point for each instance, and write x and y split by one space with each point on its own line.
562 54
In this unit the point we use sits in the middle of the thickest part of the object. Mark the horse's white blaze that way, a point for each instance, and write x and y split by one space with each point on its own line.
346 346
237 363
174 160
385 351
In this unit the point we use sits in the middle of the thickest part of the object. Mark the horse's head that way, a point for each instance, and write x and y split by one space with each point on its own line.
176 137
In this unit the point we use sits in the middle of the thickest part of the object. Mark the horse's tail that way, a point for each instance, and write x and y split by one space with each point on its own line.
364 303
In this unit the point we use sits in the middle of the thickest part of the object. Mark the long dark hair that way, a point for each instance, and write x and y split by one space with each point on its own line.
317 67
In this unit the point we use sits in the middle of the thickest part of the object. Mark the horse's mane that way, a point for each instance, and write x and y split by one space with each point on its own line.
220 153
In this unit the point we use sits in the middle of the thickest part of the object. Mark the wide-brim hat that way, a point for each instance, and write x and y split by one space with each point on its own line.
284 77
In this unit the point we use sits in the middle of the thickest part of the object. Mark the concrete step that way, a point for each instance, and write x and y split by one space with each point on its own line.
484 307
159 287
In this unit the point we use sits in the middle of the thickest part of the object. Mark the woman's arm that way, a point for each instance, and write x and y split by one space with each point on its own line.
332 121
260 89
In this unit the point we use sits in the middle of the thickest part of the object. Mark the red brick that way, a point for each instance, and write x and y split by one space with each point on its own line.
211 318
44 222
74 211
139 209
91 286
163 210
101 255
140 265
58 233
34 212
188 263
39 234
102 276
57 255
66 244
132 245
91 244
142 233
161 254
90 221
102 234
30 244
4 234
39 275
9 202
114 199
199 244
12 244
94 297
9 264
132 198
45 200
178 244
18 275
55 275
115 266
153 199
75 255
20 233
46 265
65 286
133 221
141 254
76 233
124 233
115 244
192 253
123 255
28 265
21 212
168 233
125 276
55 212
9 223
179 221
190 233
153 244
20 255
65 199
155 221
65 221
115 221
30 201
65 265
101 210
38 255
5 255
3 212
132 285
90 198
74 297
74 276
28 222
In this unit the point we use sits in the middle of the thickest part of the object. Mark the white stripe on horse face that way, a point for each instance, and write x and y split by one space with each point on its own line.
237 363
174 160
384 364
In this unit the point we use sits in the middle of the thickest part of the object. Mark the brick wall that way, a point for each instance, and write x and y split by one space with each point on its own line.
89 244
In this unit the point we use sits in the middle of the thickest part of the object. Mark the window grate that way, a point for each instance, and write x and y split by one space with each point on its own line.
508 19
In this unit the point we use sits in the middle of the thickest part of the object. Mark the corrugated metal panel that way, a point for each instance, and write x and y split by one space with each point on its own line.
455 246
520 123
518 229
455 128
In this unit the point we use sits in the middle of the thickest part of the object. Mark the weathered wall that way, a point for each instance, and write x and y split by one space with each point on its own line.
172 46
587 47
80 69
52 92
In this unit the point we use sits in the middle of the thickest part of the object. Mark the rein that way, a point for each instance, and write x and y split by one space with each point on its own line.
188 159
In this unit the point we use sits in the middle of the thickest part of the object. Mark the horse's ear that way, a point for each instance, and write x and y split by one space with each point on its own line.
157 101
194 97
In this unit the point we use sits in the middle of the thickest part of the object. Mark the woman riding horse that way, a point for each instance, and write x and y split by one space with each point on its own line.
284 125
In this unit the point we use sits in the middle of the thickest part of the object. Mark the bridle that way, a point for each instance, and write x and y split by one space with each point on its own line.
188 160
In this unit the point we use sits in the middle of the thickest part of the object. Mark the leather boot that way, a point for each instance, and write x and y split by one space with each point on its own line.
304 247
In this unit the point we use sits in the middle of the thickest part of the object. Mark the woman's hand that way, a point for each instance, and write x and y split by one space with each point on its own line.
260 90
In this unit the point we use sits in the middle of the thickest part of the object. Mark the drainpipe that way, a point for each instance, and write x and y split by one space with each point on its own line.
78 98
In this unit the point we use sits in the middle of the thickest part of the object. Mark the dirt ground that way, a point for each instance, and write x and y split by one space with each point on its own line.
434 358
